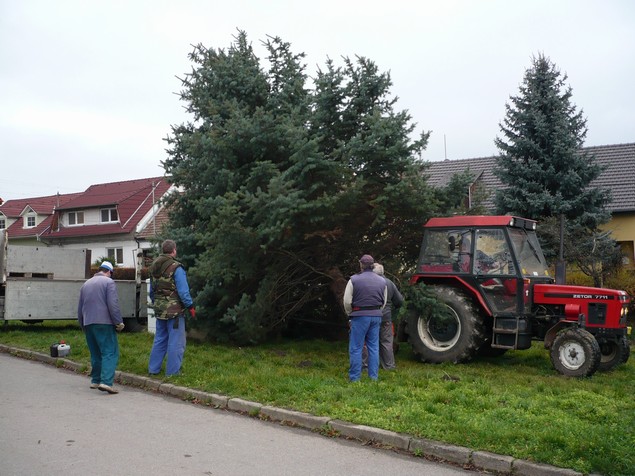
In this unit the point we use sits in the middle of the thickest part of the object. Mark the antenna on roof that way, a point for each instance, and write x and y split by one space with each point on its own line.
154 211
445 148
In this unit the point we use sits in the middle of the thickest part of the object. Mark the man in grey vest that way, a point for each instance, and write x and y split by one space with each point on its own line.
364 298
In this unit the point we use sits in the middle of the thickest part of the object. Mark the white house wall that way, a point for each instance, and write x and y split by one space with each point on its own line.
99 250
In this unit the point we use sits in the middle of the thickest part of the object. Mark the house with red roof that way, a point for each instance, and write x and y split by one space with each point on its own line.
26 219
113 220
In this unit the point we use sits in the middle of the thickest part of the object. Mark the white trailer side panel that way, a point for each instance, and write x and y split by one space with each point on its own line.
59 263
46 299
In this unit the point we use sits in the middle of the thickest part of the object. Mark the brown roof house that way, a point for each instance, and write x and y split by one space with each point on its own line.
110 219
618 176
26 219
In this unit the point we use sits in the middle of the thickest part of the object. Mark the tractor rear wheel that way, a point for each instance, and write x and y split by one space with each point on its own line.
575 353
454 336
614 353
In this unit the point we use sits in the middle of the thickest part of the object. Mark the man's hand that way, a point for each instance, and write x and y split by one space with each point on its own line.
119 327
192 312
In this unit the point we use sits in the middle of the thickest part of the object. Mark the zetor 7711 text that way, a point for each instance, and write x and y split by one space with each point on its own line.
492 279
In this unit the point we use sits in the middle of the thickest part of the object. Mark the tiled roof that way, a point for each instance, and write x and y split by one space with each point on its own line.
133 200
114 193
618 161
619 175
40 205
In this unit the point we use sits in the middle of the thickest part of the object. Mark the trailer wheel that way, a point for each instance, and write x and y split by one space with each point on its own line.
575 353
132 325
455 336
614 353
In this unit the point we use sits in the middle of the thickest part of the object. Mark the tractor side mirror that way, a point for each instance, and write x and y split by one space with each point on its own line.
452 243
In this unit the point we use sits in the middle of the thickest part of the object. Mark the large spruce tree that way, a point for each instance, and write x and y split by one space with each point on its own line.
285 185
544 170
548 176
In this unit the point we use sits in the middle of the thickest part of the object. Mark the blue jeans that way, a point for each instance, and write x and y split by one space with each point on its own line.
364 329
170 341
104 352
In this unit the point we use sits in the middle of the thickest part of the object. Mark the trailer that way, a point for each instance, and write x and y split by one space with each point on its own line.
39 283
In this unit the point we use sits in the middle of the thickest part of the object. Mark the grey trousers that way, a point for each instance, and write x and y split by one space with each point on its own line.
386 355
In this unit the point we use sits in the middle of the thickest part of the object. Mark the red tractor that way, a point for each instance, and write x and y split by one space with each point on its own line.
492 279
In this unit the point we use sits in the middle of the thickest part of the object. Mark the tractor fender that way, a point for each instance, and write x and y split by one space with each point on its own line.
456 282
551 333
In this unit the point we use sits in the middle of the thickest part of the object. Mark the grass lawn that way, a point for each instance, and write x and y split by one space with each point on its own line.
515 405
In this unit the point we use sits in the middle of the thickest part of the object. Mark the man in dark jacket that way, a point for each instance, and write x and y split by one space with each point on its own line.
364 298
386 331
99 317
170 294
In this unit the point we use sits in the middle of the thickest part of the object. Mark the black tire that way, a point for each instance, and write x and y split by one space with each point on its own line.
455 337
575 353
132 325
627 354
614 353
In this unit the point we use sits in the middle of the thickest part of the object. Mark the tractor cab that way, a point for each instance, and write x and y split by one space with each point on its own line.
497 257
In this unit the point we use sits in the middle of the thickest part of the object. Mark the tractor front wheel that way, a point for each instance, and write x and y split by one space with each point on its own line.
575 353
614 353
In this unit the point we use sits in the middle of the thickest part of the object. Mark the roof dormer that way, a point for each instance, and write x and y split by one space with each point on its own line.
29 217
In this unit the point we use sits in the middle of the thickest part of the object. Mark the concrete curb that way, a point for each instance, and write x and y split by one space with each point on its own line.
479 460
370 434
294 418
443 451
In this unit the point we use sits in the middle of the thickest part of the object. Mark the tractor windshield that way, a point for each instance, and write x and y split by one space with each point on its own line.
527 250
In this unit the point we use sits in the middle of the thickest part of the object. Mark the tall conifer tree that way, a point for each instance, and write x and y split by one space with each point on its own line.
541 164
285 185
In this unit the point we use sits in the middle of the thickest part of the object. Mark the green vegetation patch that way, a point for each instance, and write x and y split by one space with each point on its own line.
513 405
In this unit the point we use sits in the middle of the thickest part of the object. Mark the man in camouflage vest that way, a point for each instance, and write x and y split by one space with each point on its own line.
170 294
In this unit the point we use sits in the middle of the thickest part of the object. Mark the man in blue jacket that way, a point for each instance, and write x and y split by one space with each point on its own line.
364 298
99 317
170 294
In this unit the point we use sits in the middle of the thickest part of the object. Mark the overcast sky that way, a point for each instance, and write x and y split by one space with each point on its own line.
87 88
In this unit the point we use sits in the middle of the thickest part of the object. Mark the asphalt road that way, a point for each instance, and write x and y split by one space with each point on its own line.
52 423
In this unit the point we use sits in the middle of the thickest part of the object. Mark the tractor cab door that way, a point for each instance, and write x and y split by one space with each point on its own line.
495 272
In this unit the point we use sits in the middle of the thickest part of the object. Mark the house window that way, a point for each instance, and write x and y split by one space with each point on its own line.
115 255
30 221
3 224
75 218
109 215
